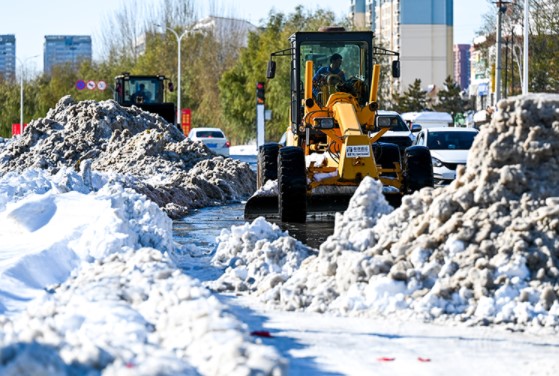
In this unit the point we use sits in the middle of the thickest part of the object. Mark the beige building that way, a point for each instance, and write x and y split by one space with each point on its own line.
421 31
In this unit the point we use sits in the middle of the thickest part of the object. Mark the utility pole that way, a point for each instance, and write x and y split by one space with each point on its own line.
525 67
512 61
501 8
506 67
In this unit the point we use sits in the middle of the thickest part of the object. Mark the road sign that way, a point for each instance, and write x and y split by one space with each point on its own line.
91 85
186 120
80 84
101 85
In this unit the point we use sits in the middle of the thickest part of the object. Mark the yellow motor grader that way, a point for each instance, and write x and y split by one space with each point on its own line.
334 131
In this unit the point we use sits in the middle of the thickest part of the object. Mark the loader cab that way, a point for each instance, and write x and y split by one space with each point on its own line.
147 92
139 89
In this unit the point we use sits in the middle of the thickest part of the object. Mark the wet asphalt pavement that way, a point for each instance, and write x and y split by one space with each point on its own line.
204 225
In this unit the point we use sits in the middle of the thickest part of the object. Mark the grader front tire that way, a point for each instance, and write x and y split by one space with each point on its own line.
292 185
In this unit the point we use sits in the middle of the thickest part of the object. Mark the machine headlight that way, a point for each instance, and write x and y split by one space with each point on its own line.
436 162
324 123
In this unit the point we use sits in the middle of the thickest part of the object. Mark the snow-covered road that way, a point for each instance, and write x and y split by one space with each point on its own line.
461 280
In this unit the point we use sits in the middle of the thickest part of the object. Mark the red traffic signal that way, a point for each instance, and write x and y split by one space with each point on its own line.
260 97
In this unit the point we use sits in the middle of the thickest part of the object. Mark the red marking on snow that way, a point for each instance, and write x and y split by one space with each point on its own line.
386 359
423 359
261 333
129 365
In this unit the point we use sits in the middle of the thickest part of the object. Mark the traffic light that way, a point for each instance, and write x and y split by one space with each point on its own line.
260 93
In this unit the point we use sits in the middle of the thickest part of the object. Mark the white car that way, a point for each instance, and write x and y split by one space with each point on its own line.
213 138
449 148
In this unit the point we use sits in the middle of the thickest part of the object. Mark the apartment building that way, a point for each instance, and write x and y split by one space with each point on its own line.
7 57
66 49
462 65
420 30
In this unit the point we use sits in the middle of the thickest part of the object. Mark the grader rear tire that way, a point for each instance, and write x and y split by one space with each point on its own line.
267 164
292 185
386 154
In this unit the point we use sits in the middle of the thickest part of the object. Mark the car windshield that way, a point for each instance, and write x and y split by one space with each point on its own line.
209 134
450 140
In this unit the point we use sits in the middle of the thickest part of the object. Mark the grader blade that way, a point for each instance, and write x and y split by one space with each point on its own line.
318 205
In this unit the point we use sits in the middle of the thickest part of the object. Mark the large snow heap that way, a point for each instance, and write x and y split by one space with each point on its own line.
147 154
484 250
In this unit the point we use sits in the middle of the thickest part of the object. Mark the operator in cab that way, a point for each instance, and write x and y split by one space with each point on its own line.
326 78
331 74
141 95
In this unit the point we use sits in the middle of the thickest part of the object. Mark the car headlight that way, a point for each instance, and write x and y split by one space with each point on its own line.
436 162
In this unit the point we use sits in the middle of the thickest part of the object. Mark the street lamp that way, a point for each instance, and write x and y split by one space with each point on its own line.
501 8
179 38
525 67
21 65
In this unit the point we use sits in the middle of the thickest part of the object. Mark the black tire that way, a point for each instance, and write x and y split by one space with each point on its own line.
418 169
267 164
386 155
292 185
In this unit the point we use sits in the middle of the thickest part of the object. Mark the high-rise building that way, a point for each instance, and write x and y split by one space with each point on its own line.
421 31
8 56
358 14
66 49
462 65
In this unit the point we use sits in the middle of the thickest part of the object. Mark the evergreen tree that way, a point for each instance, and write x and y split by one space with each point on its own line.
414 99
238 84
450 99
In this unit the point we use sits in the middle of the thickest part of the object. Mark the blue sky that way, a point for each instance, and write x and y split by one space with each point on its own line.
31 20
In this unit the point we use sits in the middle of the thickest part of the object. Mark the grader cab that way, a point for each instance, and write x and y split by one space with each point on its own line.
328 150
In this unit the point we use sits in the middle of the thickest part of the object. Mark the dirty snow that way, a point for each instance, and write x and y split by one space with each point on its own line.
483 250
90 277
147 154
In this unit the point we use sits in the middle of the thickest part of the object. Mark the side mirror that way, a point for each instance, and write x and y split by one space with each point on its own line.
396 69
271 71
171 87
415 128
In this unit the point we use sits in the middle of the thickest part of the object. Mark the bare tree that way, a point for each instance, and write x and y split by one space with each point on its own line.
122 32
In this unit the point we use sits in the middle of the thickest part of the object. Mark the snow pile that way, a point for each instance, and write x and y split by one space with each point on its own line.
482 250
107 297
257 257
35 204
151 156
261 259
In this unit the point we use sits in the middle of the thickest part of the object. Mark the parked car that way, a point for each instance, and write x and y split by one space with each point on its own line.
399 133
213 138
449 148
